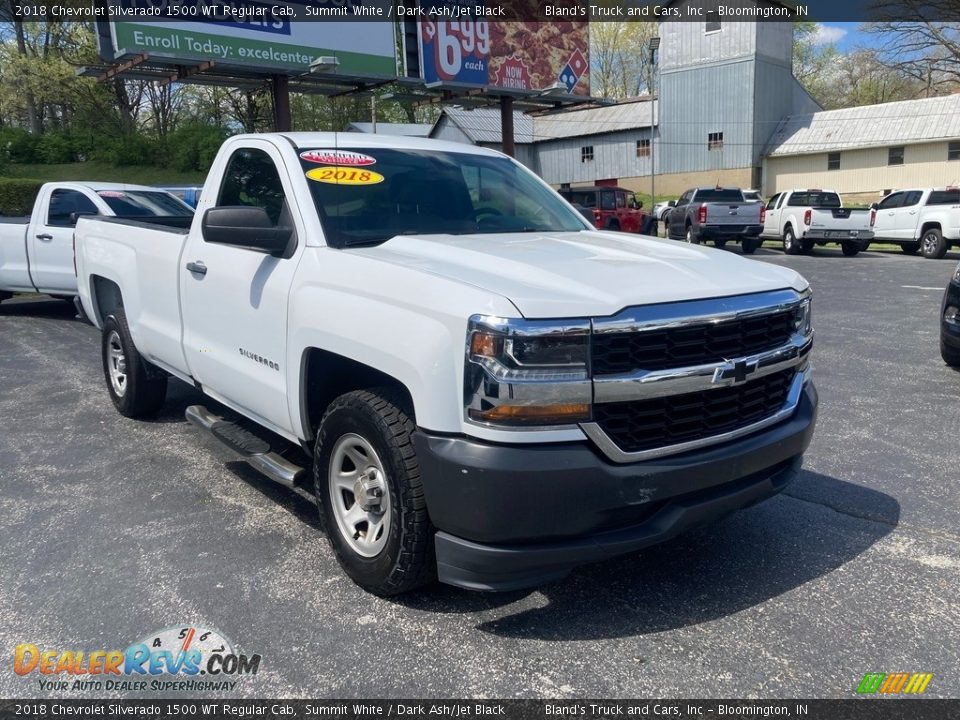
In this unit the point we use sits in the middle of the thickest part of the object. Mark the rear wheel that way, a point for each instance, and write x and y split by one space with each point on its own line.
367 482
719 244
750 245
5 296
136 387
614 225
691 236
790 244
910 248
850 249
932 244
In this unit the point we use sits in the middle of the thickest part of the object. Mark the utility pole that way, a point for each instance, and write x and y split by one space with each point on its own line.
506 125
654 44
280 90
373 113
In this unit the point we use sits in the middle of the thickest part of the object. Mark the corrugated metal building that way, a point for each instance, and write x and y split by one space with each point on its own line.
868 151
405 129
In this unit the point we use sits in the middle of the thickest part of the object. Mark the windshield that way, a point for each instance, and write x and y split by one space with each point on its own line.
368 196
141 203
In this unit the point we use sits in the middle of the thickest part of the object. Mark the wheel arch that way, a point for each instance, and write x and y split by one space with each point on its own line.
930 225
325 375
106 296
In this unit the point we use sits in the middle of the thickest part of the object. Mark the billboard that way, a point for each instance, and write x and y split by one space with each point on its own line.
521 56
262 37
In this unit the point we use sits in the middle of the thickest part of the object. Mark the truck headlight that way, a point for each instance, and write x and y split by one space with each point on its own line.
803 317
527 373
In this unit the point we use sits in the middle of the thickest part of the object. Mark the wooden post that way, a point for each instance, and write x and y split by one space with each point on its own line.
506 125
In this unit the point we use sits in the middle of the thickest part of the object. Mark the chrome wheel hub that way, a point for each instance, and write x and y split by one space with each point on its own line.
360 495
116 364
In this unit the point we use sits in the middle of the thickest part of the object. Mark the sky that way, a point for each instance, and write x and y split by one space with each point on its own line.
846 35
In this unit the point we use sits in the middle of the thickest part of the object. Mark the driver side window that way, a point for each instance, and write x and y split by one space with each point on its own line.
252 180
891 201
63 203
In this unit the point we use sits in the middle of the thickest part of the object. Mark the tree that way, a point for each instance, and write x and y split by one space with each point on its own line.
926 50
620 58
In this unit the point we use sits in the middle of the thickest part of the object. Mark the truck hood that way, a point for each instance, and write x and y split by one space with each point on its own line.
576 274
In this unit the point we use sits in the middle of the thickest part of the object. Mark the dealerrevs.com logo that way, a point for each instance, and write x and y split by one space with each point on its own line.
184 658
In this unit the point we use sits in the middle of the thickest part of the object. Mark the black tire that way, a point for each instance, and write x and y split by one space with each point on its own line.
932 244
850 248
807 246
613 224
791 245
748 246
144 388
950 355
910 248
691 237
719 244
407 559
5 296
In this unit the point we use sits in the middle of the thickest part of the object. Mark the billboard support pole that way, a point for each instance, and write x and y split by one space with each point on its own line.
506 125
280 90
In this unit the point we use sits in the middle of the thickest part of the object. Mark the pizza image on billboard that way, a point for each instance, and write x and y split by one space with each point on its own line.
522 56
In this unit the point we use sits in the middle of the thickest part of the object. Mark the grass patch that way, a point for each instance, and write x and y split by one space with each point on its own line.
104 172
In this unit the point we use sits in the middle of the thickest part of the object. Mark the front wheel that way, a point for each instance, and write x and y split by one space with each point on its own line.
137 388
850 249
932 244
5 296
367 483
719 244
950 355
910 248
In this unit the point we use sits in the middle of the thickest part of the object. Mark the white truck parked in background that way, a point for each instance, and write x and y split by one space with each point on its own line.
926 220
804 218
36 252
492 390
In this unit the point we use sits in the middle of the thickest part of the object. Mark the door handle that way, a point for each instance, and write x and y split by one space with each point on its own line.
197 267
44 236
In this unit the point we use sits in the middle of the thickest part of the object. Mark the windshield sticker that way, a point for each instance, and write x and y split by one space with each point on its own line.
337 157
344 176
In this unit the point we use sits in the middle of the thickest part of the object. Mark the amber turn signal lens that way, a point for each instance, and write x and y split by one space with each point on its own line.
483 344
534 414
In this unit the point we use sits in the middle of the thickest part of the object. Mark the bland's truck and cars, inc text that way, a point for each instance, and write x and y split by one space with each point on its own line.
492 391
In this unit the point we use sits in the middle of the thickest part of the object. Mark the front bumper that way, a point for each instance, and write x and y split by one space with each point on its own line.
950 331
521 515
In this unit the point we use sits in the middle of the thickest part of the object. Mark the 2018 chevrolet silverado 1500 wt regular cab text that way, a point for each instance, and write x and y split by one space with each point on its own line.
492 391
804 218
718 214
36 253
926 220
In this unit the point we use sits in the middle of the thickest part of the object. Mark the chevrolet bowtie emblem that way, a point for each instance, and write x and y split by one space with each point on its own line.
734 373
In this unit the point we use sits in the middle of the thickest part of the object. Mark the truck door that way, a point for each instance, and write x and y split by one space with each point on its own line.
51 240
906 216
234 299
885 224
678 216
771 223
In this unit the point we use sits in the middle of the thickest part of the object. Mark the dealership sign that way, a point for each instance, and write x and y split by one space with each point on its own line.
526 57
262 36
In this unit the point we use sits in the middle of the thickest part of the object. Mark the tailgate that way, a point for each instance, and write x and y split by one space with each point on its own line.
840 219
733 213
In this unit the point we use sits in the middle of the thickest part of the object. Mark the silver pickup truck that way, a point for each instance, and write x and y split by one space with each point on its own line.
718 214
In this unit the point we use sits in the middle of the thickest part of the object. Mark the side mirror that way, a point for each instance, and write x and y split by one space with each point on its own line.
873 206
671 203
637 204
246 227
74 216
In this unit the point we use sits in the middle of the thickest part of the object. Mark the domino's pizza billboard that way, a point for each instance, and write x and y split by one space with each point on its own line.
521 56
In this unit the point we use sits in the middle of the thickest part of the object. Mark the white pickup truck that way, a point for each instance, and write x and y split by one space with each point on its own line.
491 390
36 252
927 220
804 218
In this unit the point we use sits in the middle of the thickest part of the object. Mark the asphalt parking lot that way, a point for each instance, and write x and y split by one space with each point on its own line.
113 529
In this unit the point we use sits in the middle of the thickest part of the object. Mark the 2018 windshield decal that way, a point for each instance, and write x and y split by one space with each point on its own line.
344 176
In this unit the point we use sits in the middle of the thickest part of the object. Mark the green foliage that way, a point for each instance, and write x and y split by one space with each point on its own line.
56 147
131 150
17 195
194 146
18 145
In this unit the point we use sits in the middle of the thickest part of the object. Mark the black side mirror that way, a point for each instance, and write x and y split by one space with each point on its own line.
246 227
671 203
874 206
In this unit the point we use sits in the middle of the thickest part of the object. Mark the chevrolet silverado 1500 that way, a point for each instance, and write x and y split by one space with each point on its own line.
36 252
491 390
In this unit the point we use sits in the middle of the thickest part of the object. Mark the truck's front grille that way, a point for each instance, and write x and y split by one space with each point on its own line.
689 345
644 424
